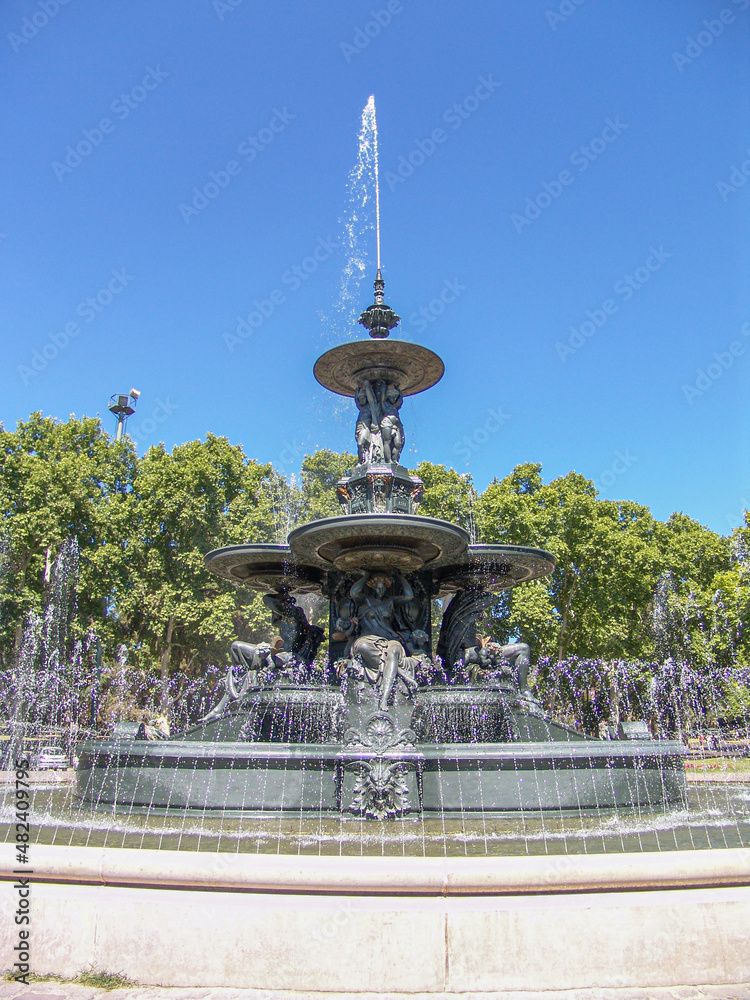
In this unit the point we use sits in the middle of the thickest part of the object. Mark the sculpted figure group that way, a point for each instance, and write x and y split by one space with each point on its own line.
379 618
379 432
296 644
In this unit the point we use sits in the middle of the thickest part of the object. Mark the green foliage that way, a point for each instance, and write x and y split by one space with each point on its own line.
98 978
143 527
203 495
320 473
103 980
447 494
59 480
565 518
610 556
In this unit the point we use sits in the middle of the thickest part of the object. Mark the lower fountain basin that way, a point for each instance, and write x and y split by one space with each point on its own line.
452 779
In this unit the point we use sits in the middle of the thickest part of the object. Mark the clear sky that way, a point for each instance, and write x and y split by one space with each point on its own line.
573 240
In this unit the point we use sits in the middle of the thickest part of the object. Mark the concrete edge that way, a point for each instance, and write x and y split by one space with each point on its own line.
384 876
72 991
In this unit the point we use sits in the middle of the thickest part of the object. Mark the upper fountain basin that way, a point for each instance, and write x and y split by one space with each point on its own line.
411 367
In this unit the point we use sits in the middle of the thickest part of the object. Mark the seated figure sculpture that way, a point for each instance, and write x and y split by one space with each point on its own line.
298 636
491 657
294 647
252 658
379 649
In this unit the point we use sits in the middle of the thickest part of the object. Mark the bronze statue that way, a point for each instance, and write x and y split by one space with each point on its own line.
379 647
488 657
367 430
379 432
251 658
299 637
391 428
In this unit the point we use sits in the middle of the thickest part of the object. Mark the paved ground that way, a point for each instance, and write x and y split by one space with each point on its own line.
66 777
68 991
719 777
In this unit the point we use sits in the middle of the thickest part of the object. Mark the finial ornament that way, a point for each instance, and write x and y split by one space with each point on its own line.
379 319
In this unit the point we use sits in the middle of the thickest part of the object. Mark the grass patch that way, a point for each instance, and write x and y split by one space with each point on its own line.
98 978
103 980
32 977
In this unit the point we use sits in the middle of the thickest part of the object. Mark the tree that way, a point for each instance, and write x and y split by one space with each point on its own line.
694 554
448 495
203 495
143 526
62 481
596 600
320 473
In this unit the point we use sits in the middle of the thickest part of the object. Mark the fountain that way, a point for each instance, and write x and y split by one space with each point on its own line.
511 849
390 727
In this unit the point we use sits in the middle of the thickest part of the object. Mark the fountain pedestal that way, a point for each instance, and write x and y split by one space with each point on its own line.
380 489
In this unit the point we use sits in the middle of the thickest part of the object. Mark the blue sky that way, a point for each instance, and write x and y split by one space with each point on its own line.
576 237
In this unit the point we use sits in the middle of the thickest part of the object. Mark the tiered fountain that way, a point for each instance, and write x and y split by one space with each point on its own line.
392 727
435 750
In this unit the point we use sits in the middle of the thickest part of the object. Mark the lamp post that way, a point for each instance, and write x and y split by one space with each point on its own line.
122 406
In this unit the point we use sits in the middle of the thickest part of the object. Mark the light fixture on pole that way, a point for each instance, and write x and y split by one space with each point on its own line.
122 406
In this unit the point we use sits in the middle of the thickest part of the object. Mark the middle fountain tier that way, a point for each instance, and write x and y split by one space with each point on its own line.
380 563
400 718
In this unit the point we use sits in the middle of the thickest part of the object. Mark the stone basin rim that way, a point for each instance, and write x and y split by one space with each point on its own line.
389 876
